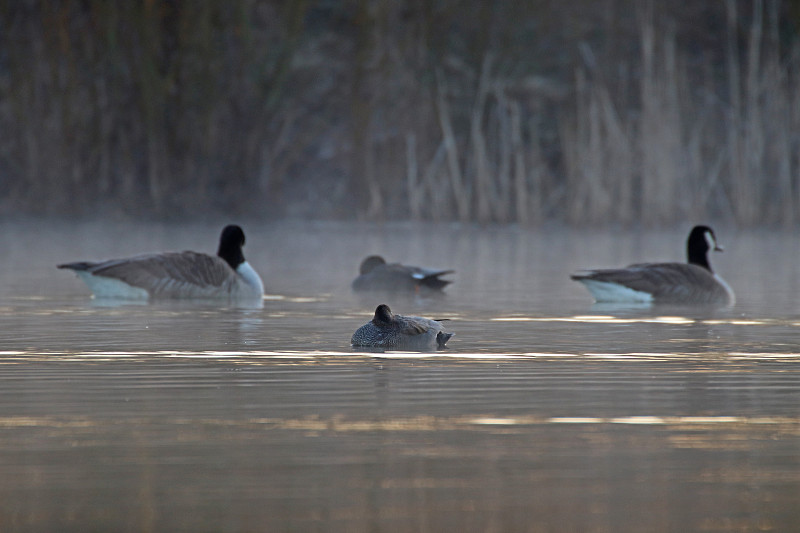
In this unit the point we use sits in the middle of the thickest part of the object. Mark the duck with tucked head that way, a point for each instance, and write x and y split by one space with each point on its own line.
387 330
177 274
692 282
375 274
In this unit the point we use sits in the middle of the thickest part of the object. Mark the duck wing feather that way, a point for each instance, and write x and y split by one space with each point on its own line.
412 325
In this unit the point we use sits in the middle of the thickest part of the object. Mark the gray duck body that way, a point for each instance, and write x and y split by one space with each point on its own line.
375 274
388 330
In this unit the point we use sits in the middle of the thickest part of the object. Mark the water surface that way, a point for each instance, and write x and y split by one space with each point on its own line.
546 413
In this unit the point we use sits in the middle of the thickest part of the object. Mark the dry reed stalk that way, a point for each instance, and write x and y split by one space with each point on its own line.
656 198
479 154
461 193
794 126
413 187
778 116
737 170
577 158
596 201
376 202
620 165
753 134
502 192
521 197
538 171
570 129
433 180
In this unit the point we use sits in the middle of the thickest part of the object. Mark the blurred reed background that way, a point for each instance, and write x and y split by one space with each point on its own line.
581 112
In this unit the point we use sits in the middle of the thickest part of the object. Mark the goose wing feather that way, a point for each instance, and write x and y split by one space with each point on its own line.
162 274
665 281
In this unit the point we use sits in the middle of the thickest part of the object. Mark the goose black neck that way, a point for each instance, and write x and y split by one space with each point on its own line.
701 260
230 246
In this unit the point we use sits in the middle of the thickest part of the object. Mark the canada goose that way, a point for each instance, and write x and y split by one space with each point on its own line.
376 275
176 274
387 330
693 282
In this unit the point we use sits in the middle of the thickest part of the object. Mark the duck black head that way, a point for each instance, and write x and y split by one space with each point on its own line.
383 315
371 263
230 245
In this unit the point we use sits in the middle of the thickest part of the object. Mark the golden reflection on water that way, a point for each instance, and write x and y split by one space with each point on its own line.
466 422
677 320
296 299
302 357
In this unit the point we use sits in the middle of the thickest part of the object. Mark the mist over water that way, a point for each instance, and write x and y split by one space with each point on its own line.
545 410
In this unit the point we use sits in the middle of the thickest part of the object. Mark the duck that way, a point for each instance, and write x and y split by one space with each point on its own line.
693 282
387 330
375 274
176 275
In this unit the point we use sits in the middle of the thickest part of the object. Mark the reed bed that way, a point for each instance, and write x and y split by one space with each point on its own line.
625 113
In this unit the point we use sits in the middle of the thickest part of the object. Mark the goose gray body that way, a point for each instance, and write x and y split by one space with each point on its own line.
176 274
692 282
375 274
387 330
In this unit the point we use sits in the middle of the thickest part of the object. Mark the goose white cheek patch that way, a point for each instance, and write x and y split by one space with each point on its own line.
712 242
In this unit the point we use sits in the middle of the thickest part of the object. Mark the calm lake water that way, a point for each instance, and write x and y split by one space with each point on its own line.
546 413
